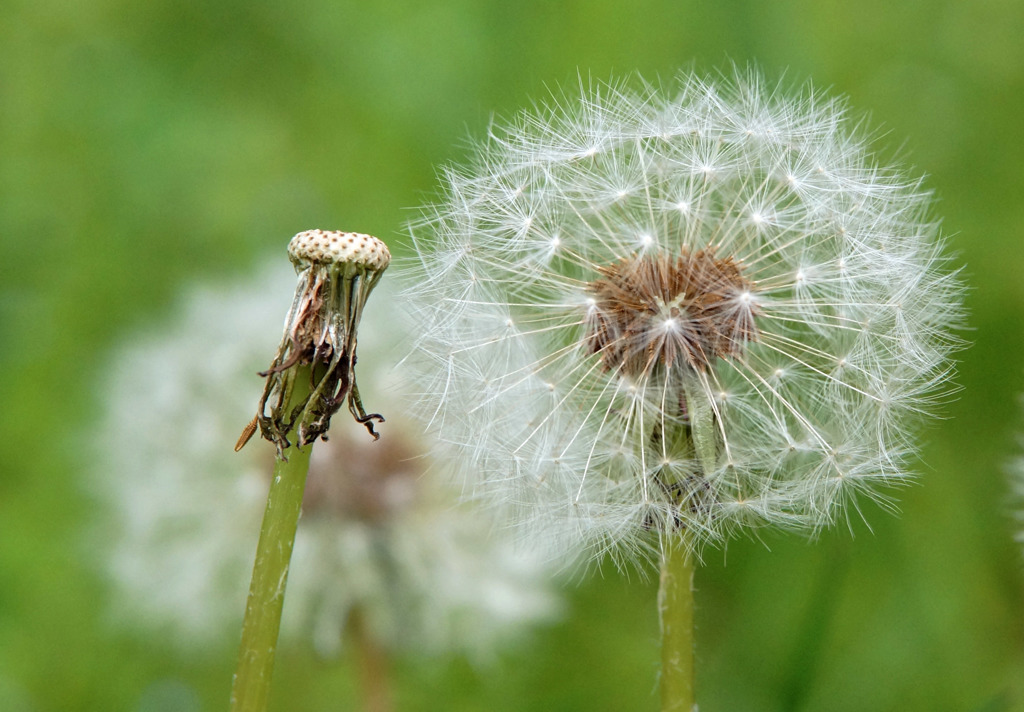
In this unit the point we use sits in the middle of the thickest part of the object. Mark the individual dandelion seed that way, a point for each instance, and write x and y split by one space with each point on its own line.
384 556
656 318
337 272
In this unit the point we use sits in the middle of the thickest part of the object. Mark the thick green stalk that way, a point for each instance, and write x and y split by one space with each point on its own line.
675 608
250 690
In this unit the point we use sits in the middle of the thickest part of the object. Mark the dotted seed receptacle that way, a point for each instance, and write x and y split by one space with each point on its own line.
333 246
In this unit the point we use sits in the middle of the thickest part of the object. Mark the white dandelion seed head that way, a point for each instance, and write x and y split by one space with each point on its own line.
729 255
380 532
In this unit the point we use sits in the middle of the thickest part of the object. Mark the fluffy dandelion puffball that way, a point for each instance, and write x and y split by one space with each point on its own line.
379 532
703 307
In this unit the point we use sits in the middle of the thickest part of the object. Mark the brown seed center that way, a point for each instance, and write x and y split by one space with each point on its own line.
653 310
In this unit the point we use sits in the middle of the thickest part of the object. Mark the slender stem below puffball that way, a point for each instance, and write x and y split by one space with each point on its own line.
675 593
675 608
373 663
250 690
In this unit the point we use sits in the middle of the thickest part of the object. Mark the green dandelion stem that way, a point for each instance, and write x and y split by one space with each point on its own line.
373 663
675 593
250 690
702 424
675 608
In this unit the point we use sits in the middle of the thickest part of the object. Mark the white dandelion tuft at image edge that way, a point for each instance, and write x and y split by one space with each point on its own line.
1014 470
702 307
380 537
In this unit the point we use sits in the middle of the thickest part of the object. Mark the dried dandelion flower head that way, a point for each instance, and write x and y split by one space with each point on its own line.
380 534
337 271
703 308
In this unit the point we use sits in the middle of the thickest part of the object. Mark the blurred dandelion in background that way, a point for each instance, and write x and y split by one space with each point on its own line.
383 546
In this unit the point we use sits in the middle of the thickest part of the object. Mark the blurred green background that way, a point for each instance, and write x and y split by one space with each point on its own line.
149 145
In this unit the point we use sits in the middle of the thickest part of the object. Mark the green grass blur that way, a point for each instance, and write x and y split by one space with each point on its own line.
145 146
